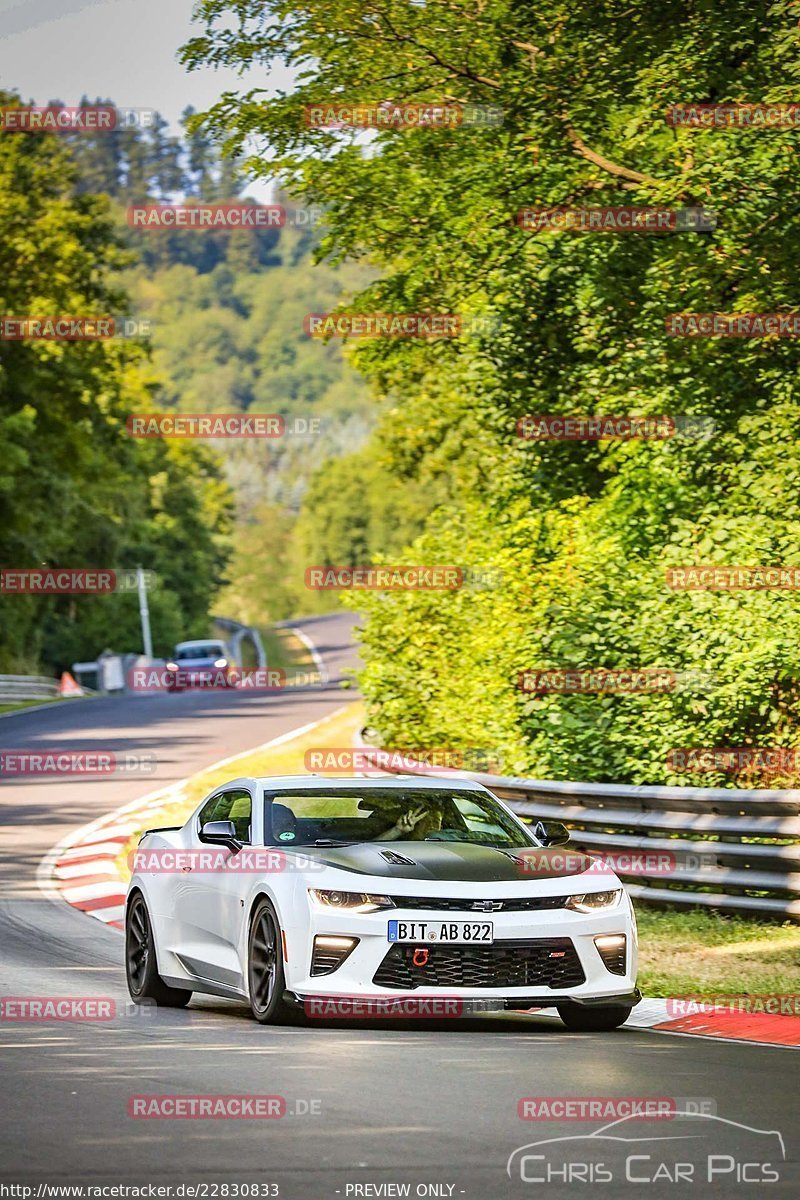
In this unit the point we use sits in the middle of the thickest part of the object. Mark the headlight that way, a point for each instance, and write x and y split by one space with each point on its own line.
171 666
220 662
361 902
594 901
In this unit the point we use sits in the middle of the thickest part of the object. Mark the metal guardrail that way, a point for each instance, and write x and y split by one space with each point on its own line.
112 669
736 851
238 633
27 687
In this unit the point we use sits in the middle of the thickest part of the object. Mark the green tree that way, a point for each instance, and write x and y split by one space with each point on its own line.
582 532
75 490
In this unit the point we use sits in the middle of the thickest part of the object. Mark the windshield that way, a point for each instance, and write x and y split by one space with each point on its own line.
389 815
207 650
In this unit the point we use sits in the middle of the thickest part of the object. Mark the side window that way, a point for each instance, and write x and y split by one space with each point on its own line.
240 814
229 806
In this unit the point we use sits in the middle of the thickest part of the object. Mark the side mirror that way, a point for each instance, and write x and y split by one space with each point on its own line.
551 833
221 833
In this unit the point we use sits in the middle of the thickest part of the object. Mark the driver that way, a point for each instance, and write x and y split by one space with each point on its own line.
415 824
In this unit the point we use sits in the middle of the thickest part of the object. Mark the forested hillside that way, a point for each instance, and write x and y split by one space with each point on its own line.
227 312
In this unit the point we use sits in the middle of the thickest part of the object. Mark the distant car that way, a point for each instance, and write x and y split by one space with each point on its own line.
204 663
382 887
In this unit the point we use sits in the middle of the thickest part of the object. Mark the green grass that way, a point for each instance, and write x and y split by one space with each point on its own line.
709 953
284 649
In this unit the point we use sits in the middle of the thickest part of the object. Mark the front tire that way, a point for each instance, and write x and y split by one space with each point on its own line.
144 982
597 1019
265 975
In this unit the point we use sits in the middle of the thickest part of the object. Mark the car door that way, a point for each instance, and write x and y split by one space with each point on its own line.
209 903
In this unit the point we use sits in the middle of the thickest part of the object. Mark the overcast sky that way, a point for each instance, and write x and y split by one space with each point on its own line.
122 49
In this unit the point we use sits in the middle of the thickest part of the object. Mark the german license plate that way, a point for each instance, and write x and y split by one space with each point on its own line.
441 931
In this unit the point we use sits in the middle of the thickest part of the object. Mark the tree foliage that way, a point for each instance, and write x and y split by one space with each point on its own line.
75 490
582 531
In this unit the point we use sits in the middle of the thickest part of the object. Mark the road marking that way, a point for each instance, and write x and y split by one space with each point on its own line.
312 649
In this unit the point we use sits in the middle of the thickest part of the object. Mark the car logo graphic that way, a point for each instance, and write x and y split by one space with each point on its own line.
614 1133
487 906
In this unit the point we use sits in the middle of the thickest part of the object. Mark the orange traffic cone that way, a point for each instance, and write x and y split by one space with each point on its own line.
68 686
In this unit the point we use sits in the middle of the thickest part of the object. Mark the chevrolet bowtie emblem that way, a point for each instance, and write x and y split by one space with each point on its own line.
487 906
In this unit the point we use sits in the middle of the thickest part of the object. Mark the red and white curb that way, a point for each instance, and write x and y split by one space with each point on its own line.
772 1029
84 870
658 1016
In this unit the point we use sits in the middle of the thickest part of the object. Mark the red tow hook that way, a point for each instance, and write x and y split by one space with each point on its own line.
420 958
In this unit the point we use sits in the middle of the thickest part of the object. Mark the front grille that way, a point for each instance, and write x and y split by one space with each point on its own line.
546 962
446 904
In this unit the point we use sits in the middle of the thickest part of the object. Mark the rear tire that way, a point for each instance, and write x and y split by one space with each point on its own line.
141 967
597 1019
265 975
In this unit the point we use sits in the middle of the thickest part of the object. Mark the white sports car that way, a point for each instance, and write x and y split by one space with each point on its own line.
285 892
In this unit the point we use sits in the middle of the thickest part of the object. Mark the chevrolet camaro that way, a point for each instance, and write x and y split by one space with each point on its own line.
284 892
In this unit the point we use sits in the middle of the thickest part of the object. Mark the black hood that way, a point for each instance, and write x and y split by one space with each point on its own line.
451 861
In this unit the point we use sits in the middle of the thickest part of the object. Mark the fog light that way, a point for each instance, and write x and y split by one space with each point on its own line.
330 952
612 949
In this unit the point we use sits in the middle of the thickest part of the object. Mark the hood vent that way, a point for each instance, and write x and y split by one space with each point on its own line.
397 860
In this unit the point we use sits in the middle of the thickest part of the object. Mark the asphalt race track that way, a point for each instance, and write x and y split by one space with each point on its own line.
432 1105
